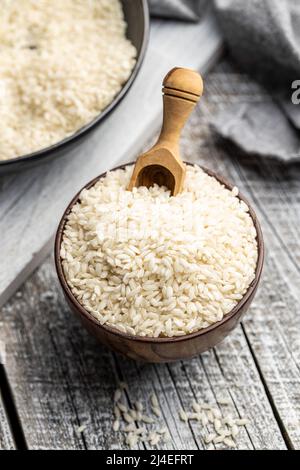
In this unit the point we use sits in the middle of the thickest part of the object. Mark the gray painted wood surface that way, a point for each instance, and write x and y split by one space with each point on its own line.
6 439
32 203
273 328
61 378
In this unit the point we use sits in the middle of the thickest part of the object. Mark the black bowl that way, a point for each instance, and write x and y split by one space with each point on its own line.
137 17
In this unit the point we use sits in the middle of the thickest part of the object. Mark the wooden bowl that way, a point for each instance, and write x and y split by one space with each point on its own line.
160 349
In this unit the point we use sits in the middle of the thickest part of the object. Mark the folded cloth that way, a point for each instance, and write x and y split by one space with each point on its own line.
263 36
260 128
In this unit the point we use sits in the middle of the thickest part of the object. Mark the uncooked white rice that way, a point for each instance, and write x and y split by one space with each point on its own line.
242 422
210 416
216 433
153 265
234 430
81 429
128 418
209 438
183 416
132 439
133 414
196 406
217 425
229 442
154 401
139 406
155 439
229 420
219 439
147 419
61 64
194 416
116 425
122 407
156 411
224 401
223 428
204 419
117 412
117 395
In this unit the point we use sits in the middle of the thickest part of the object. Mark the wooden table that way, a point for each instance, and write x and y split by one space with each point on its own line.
60 379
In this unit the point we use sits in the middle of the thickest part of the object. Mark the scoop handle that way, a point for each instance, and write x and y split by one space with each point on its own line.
182 89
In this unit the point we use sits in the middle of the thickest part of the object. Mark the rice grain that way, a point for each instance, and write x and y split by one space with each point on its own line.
186 261
62 63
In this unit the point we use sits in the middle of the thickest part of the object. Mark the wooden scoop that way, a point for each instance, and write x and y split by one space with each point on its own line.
162 164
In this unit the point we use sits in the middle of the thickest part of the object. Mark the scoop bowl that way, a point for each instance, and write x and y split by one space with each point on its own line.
160 349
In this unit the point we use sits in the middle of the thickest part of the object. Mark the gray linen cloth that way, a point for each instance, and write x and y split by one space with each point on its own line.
179 9
263 37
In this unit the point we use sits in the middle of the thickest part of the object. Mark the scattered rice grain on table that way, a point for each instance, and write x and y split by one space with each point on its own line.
153 265
154 401
81 429
216 433
61 64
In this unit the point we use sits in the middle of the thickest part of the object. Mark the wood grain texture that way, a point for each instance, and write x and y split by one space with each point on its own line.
61 378
6 439
272 329
32 202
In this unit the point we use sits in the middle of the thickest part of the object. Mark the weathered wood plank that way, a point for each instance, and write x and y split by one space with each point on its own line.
273 325
50 361
229 370
6 439
32 202
274 328
144 380
62 379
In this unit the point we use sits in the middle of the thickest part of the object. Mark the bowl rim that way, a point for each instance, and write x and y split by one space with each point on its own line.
84 130
149 339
